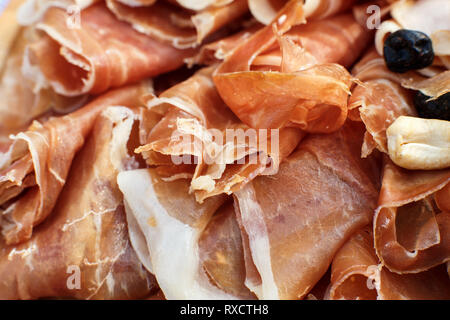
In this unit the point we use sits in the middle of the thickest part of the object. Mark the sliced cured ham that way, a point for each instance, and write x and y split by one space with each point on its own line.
358 275
205 141
172 223
305 57
98 54
266 10
182 29
221 253
35 168
411 232
83 251
21 103
378 101
382 97
299 218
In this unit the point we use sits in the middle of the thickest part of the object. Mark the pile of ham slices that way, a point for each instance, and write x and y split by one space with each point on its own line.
93 93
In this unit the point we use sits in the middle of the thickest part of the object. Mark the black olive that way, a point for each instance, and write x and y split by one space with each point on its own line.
434 109
406 50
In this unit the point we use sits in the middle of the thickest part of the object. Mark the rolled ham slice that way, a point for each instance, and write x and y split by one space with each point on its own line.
378 101
36 166
83 251
412 221
173 225
358 275
98 54
299 218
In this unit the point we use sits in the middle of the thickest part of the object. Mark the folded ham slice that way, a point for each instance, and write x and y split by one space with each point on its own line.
358 275
382 97
35 167
182 29
216 51
412 221
83 250
181 238
269 73
21 103
295 221
266 10
378 101
33 10
205 141
98 54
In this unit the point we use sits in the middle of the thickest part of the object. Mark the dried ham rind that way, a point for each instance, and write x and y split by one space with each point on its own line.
182 29
172 223
412 233
358 275
98 54
86 236
298 218
36 166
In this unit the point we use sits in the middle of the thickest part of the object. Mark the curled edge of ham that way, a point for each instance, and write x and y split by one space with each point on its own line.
99 54
182 30
410 234
357 274
37 154
194 109
300 67
272 242
33 10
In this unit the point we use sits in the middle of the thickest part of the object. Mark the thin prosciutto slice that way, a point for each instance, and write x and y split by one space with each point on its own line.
98 54
171 223
20 104
295 221
196 139
36 166
83 251
381 96
266 10
378 101
358 275
412 221
288 73
182 29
